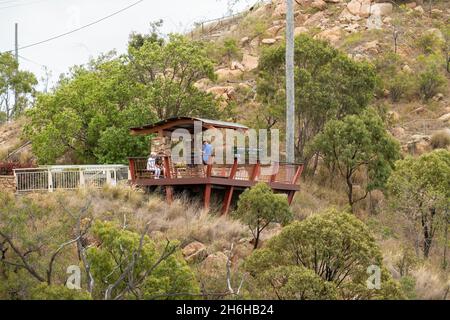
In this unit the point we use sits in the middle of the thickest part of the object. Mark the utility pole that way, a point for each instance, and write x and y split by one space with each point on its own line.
290 93
16 54
17 42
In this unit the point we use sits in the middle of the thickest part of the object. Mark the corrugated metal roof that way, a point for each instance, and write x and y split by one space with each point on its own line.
214 123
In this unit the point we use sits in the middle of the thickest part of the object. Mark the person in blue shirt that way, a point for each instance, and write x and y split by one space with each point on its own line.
206 152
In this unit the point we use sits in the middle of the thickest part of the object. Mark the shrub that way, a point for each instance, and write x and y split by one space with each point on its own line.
259 206
440 139
336 246
428 43
430 82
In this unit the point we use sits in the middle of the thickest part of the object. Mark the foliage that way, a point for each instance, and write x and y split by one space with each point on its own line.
149 277
336 246
259 206
398 82
440 139
430 80
89 113
358 143
7 168
420 189
16 87
429 43
231 49
295 282
58 292
169 72
333 85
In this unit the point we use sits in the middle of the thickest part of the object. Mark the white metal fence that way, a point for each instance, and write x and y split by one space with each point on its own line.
52 178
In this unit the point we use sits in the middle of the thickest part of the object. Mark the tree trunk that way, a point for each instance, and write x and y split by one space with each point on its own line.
350 192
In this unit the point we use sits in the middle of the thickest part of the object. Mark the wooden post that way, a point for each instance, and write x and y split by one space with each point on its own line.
273 177
207 194
256 171
168 175
229 193
297 175
132 170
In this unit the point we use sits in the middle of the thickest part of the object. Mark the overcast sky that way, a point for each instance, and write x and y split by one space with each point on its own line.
41 19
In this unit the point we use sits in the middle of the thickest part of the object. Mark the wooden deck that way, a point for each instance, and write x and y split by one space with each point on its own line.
281 177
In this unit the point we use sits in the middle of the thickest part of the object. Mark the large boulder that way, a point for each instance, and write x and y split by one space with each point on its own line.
215 262
319 4
359 7
300 30
316 19
332 35
227 74
381 9
226 92
249 62
445 117
268 41
194 252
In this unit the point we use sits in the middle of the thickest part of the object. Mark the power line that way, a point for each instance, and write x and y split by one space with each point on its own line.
80 28
21 4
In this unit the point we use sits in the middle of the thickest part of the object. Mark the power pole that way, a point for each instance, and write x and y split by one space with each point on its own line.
17 42
290 93
16 51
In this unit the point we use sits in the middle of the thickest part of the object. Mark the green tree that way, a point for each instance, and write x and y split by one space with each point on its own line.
330 85
258 207
430 80
130 266
358 143
169 72
336 246
86 114
420 189
16 87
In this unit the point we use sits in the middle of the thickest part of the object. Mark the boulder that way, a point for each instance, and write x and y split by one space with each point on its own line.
346 16
300 30
244 41
222 91
381 9
445 117
280 9
194 252
268 41
393 116
332 35
438 97
333 1
315 19
250 62
319 4
406 68
216 261
236 65
359 7
419 9
398 132
226 74
273 31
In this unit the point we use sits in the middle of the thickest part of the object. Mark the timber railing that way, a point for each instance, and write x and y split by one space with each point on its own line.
277 172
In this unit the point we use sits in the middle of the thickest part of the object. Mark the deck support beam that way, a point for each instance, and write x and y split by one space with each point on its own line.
229 192
207 193
297 175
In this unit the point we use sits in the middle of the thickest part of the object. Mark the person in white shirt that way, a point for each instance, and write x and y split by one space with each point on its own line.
153 166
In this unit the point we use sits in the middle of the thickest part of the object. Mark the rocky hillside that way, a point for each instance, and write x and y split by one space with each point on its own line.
365 29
